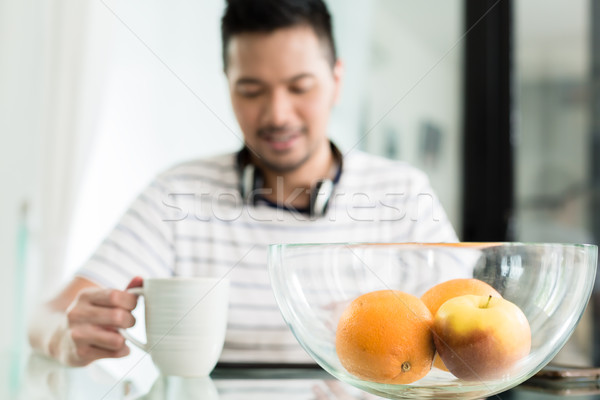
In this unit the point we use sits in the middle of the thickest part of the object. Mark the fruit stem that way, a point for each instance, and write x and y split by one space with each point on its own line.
488 302
405 366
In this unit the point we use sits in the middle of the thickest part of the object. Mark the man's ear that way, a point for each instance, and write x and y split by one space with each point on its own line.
338 78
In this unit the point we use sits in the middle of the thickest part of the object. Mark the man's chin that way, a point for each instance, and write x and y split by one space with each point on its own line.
282 167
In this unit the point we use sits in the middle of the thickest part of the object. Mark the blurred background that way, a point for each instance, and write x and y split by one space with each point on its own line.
494 100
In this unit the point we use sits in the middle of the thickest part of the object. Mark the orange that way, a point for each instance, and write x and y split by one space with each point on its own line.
385 336
440 293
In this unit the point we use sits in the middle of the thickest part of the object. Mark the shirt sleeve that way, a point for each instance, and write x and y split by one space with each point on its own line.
141 244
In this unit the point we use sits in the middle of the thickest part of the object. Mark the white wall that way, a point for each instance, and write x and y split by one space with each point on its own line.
415 77
353 22
165 101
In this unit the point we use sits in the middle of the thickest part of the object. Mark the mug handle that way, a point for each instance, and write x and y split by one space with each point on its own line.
144 346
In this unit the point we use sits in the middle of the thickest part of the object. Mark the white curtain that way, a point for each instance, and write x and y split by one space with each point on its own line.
51 61
75 60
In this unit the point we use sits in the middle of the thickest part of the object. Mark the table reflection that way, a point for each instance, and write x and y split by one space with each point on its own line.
46 379
42 378
173 388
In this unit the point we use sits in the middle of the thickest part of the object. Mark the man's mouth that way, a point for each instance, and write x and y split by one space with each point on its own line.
281 142
280 139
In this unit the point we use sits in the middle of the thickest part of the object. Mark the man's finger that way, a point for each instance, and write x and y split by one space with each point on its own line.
89 335
109 317
112 298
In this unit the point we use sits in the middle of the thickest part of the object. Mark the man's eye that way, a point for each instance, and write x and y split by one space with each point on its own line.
251 94
249 90
299 89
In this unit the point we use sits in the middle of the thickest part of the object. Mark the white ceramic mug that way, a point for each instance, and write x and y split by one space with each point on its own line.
186 319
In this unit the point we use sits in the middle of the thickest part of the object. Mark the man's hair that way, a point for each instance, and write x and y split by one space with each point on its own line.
265 16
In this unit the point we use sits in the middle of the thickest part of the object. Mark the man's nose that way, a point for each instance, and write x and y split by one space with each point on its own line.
278 108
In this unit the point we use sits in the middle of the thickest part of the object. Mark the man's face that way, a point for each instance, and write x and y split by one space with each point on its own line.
282 90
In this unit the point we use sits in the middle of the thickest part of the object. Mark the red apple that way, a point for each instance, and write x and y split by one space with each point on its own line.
481 337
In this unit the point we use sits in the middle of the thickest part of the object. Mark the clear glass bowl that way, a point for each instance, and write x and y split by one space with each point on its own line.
551 283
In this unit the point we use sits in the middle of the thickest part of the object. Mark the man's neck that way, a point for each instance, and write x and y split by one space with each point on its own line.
293 188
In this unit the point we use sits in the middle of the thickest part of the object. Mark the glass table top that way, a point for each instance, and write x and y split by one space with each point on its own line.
29 376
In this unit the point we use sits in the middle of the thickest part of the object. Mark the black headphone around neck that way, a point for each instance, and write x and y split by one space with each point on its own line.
251 180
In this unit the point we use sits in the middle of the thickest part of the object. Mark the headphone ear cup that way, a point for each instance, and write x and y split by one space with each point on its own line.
319 197
247 183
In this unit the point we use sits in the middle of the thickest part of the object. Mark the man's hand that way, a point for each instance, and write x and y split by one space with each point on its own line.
93 320
81 324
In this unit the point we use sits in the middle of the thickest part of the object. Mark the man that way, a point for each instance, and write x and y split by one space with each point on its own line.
215 217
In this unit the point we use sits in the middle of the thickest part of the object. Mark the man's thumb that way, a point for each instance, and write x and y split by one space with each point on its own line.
137 281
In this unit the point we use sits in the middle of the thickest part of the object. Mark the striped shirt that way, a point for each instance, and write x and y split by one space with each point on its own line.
192 221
